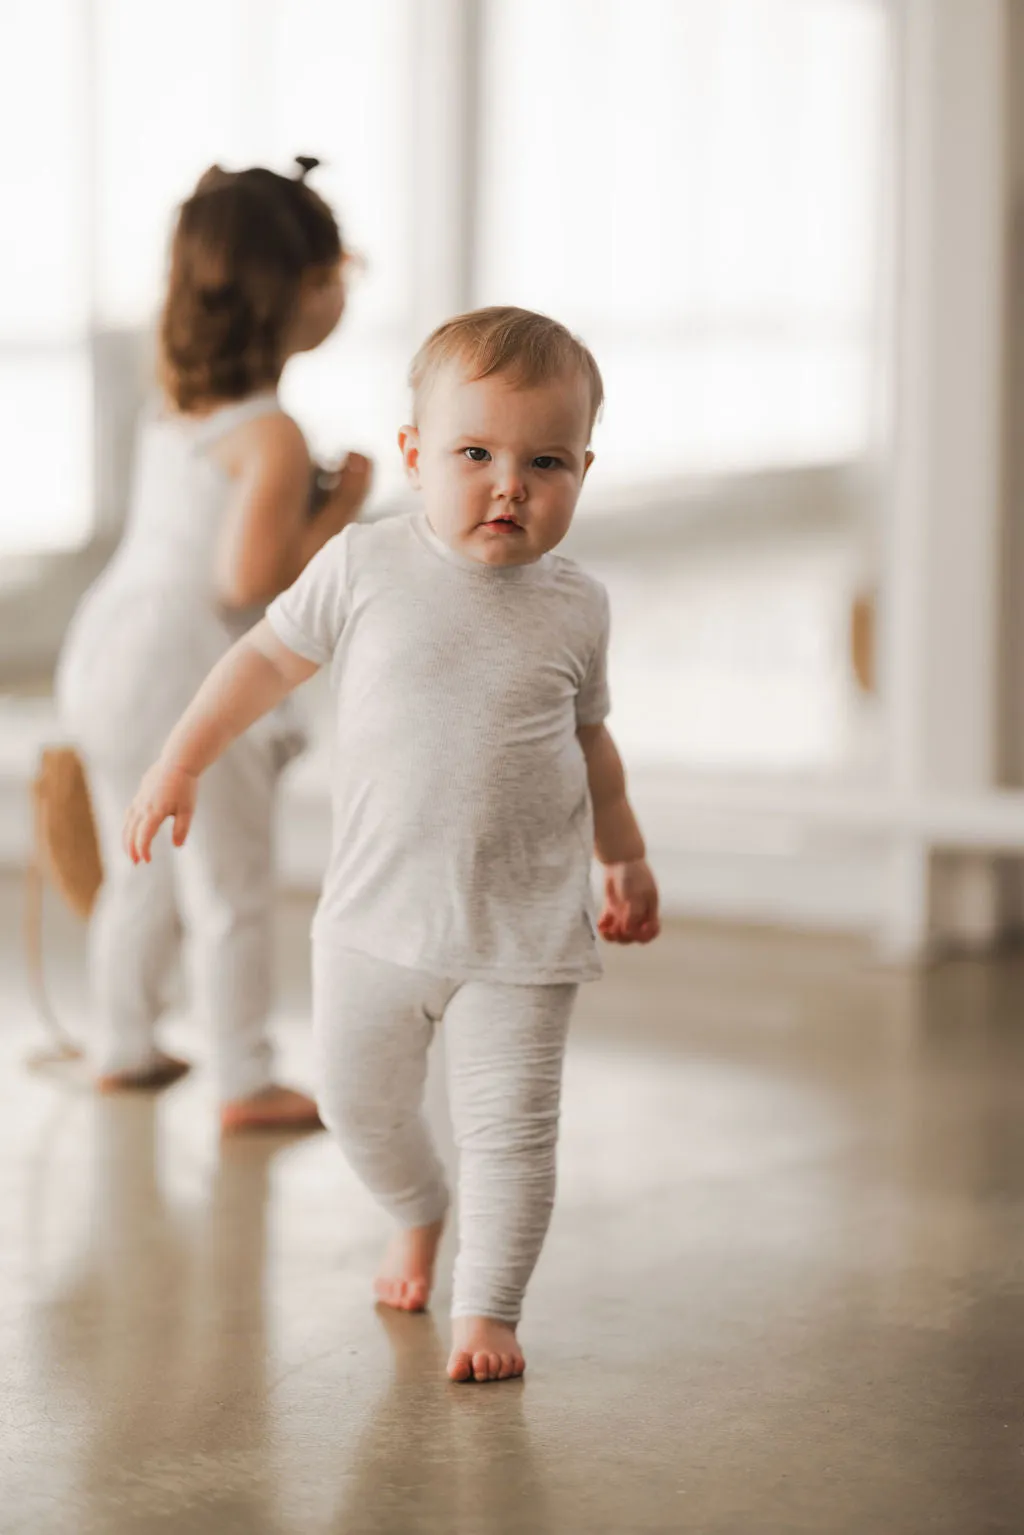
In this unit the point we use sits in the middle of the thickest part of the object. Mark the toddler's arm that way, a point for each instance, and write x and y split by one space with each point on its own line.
631 895
250 680
269 536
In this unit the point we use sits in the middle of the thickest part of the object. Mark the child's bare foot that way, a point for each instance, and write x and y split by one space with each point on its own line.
273 1108
484 1349
406 1275
164 1070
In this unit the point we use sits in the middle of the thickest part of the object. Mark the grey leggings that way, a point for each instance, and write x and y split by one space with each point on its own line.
373 1023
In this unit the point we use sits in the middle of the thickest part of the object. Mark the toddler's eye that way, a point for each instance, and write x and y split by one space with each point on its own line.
477 455
547 461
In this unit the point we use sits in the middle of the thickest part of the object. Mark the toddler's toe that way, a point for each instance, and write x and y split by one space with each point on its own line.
460 1366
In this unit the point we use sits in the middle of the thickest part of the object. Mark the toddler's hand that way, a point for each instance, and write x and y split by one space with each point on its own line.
630 903
164 793
350 490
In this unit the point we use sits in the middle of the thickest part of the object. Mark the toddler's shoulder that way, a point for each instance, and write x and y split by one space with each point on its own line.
272 426
375 553
573 580
377 542
270 444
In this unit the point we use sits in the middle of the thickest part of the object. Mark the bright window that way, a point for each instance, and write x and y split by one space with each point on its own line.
286 77
107 129
45 393
694 186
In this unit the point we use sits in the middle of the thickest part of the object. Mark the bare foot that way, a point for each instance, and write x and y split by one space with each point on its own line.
148 1079
273 1108
484 1349
406 1274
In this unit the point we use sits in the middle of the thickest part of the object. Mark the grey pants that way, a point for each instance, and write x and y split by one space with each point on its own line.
373 1023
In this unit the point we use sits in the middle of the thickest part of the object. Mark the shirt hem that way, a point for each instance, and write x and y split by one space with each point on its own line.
447 968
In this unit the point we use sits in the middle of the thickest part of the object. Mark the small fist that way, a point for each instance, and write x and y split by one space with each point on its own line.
351 488
630 903
165 793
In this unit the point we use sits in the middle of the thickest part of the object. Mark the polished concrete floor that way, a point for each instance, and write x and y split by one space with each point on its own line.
783 1290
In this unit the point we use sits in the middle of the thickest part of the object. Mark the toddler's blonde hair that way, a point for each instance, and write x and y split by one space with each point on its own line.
524 347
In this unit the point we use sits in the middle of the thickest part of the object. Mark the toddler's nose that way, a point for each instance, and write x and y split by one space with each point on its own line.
509 486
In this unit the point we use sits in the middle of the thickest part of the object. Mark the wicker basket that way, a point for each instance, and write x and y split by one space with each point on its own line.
67 856
67 848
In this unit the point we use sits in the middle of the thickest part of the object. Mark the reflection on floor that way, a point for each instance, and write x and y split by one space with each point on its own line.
784 1288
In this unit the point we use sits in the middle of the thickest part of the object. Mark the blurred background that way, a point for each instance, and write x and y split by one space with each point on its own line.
785 228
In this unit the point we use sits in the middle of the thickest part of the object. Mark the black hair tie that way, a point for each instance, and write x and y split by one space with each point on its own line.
306 163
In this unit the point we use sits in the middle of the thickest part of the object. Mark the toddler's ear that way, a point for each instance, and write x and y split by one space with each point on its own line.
409 445
588 459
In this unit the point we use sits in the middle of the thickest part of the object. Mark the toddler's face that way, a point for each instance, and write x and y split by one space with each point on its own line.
500 467
321 306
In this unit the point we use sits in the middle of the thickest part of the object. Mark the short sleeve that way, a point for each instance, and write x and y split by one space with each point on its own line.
593 701
311 614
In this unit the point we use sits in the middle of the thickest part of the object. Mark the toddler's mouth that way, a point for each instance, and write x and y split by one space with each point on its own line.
504 523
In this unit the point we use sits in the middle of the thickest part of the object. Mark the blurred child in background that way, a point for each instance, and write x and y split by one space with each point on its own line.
222 518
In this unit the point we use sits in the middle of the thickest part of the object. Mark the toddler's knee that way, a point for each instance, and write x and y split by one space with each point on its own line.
352 1118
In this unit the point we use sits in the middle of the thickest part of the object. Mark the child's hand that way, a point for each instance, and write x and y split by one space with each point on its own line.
630 903
163 793
350 490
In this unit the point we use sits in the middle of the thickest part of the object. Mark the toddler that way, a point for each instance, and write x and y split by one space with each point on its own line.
473 774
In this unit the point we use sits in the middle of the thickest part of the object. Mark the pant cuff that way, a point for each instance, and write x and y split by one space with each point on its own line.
424 1213
510 1315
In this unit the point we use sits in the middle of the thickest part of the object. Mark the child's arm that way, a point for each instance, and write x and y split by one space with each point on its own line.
250 680
631 895
269 536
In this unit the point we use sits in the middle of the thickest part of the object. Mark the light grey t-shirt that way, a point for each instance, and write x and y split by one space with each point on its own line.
462 824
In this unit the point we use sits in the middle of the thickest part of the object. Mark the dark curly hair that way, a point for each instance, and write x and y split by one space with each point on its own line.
241 246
